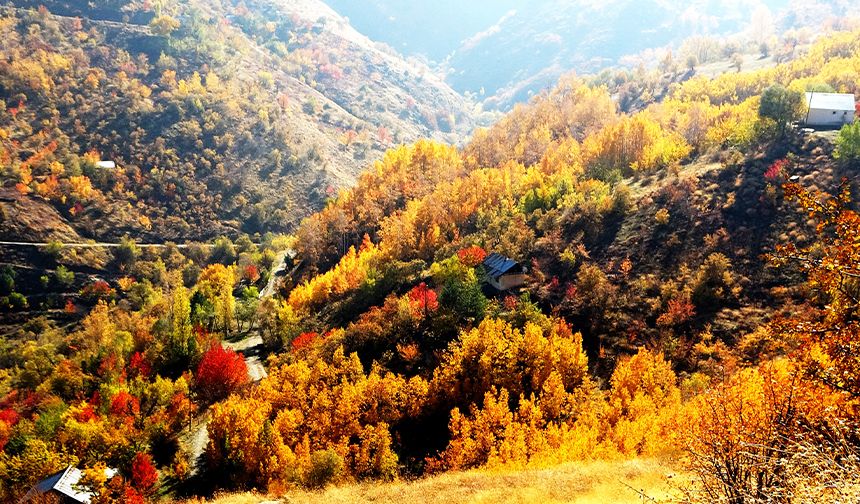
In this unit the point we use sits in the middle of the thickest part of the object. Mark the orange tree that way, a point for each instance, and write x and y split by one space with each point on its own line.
827 333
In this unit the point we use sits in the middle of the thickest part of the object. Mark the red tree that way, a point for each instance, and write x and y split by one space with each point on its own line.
124 404
424 300
143 473
221 371
139 366
251 273
304 340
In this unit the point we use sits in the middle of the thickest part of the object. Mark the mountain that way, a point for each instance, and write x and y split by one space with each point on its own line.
222 117
433 30
524 47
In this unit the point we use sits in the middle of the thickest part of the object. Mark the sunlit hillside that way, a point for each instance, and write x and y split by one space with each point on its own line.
218 118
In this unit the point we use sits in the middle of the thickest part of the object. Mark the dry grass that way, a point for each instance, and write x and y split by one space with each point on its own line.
580 483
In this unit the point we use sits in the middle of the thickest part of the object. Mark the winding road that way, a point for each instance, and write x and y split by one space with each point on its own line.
197 437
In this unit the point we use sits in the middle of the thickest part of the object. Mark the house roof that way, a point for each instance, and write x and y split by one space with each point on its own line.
64 483
498 265
830 101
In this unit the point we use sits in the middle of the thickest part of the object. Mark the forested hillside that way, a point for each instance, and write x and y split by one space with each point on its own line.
221 117
691 260
661 289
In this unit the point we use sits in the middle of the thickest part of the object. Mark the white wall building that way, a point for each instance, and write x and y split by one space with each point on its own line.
829 109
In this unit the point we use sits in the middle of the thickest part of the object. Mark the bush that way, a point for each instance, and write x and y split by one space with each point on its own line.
17 301
65 277
848 143
54 248
714 282
326 468
127 253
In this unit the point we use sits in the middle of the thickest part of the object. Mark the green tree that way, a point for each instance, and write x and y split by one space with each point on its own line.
848 143
781 105
54 248
7 280
246 311
224 252
127 253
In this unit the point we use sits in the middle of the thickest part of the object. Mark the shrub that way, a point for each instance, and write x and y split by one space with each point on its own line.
848 143
326 468
17 301
714 282
7 280
54 248
65 277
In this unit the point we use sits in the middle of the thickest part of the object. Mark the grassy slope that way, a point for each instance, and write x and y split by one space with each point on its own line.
581 483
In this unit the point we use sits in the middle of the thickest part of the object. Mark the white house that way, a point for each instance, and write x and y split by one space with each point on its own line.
109 165
829 109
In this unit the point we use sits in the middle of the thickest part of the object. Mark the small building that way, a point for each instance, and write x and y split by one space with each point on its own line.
829 110
63 488
503 273
107 165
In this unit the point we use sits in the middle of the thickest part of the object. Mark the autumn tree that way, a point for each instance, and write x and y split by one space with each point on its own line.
181 346
828 332
221 371
740 434
143 473
216 285
643 400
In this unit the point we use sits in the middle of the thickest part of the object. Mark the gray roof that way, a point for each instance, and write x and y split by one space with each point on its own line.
498 265
65 483
830 101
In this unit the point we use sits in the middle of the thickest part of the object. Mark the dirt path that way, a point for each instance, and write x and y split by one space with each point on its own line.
194 441
197 437
251 347
280 261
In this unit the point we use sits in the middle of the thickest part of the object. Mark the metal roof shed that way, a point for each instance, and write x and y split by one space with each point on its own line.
64 485
830 109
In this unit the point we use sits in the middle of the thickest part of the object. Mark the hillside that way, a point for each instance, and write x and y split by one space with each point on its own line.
222 118
589 483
